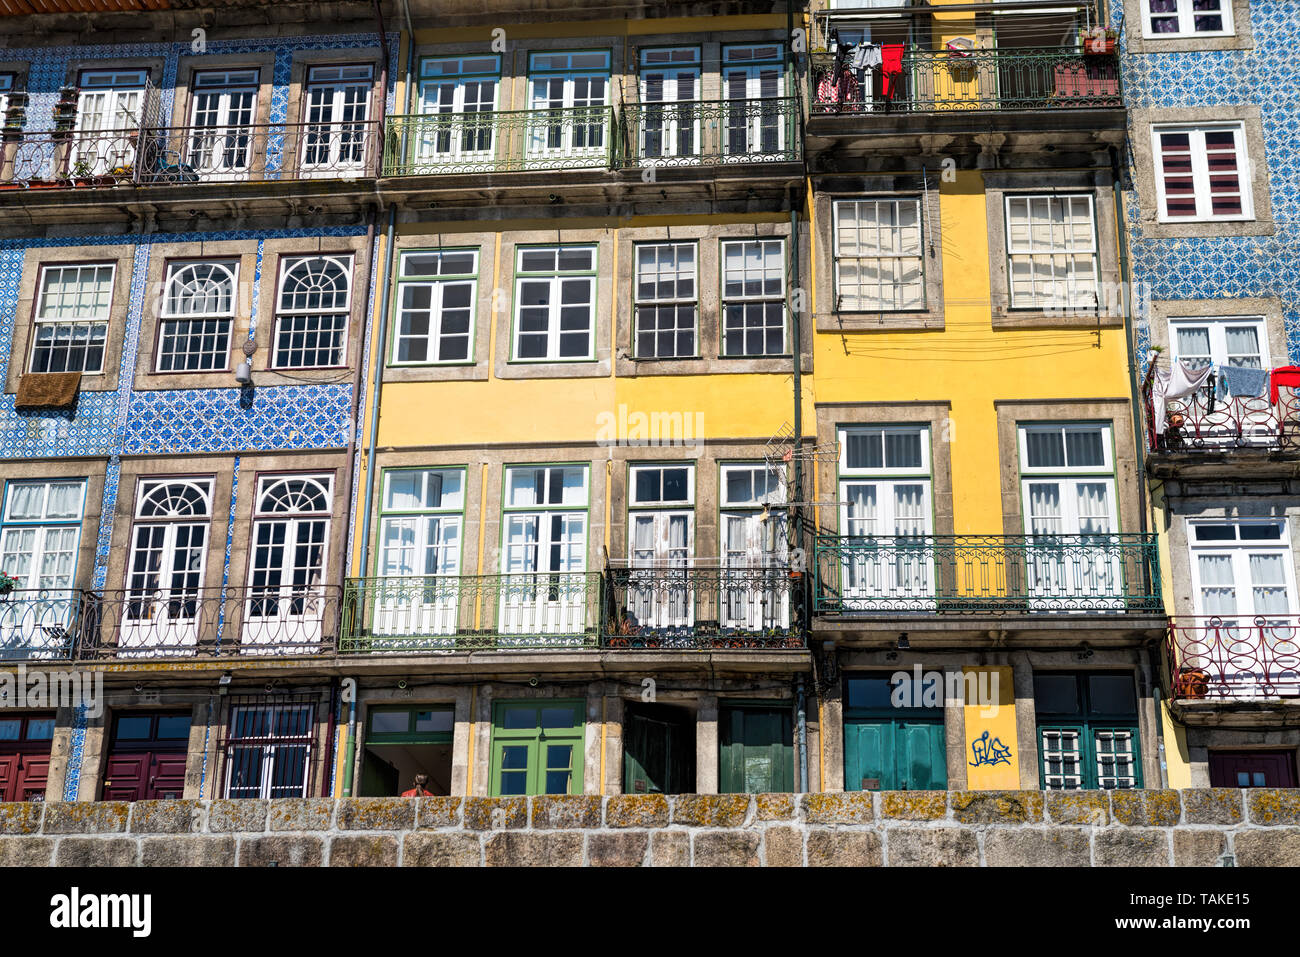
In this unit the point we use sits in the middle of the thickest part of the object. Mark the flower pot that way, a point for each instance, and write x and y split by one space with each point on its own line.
1191 683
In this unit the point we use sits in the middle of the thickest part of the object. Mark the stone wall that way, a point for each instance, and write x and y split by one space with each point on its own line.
897 828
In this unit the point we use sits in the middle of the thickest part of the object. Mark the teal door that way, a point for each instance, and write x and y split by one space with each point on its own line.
757 750
894 754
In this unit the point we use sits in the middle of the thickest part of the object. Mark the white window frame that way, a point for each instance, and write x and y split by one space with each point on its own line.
467 131
1201 172
742 299
224 148
922 429
576 140
438 285
880 257
331 134
45 527
451 509
104 139
1079 295
168 314
1107 444
1240 551
272 748
91 323
287 265
1186 18
676 303
558 279
1217 327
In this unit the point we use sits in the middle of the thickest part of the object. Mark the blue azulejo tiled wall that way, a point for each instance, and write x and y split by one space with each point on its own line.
1265 76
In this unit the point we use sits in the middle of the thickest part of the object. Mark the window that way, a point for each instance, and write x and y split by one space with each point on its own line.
661 540
1242 569
1087 731
753 81
421 523
1068 499
885 490
555 303
72 313
1224 342
314 306
290 542
667 300
579 84
435 306
462 91
41 533
6 87
109 117
1165 19
878 261
537 747
669 121
1052 252
889 745
169 547
336 114
753 297
221 139
269 750
755 548
197 315
1201 173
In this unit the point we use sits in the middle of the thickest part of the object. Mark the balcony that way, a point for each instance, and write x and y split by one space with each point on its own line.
1225 659
1212 436
499 141
702 608
188 156
265 621
471 613
954 575
718 133
38 624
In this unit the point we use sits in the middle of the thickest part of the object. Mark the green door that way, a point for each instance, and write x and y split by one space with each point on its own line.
756 750
537 747
894 754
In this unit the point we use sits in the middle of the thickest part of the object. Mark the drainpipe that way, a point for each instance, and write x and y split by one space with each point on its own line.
1130 346
802 715
327 779
351 755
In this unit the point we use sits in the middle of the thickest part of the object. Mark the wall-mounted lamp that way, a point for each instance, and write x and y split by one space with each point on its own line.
903 643
244 371
223 683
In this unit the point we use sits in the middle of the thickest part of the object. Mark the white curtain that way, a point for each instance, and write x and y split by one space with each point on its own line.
861 518
909 510
399 547
1194 346
1268 584
25 501
1218 586
1242 346
1045 508
1093 499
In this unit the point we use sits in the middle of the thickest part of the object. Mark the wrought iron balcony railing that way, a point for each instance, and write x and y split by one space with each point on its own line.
190 155
700 133
940 81
1204 422
38 624
696 607
499 141
1234 657
987 574
460 612
287 620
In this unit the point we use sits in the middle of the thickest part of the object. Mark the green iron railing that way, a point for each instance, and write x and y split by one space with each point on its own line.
469 612
499 141
987 574
719 132
941 81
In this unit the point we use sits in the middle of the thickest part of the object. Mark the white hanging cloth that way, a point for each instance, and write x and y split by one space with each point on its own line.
1176 382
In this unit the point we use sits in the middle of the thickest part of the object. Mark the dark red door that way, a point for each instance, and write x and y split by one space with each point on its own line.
25 756
147 757
1252 769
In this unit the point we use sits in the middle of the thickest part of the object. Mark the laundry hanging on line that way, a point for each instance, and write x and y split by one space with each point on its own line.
1176 382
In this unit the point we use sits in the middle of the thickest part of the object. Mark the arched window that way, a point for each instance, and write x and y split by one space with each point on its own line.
198 312
290 544
312 311
169 545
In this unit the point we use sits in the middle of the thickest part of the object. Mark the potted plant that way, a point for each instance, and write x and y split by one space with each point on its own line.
1191 683
7 583
1098 41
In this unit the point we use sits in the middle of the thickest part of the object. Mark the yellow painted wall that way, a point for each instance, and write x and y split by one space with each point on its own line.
992 751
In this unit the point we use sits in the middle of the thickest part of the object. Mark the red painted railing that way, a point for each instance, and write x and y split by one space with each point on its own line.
1242 657
1198 424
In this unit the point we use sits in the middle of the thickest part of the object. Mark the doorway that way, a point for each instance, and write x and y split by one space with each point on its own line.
1252 769
658 750
402 742
25 756
147 756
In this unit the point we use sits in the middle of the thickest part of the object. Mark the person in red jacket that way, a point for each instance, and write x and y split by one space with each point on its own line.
419 790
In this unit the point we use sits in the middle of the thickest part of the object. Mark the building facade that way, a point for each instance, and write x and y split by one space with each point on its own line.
1212 233
609 402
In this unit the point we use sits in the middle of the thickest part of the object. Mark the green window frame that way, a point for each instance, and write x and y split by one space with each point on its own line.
435 301
426 535
537 747
549 300
414 733
1086 742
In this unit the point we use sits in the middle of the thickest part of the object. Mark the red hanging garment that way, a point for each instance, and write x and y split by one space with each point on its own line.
1285 375
891 66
